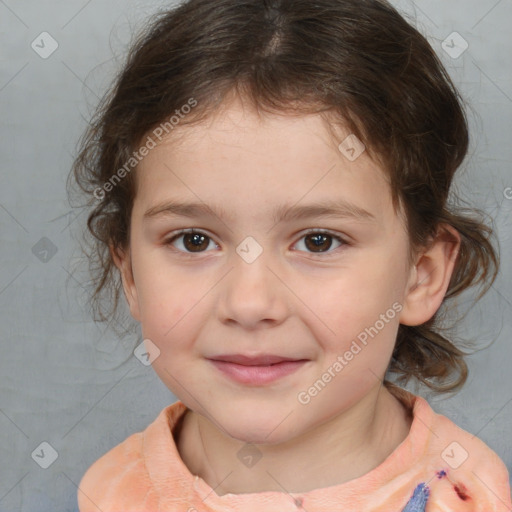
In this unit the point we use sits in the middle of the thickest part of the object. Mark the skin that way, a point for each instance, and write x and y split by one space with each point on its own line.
290 301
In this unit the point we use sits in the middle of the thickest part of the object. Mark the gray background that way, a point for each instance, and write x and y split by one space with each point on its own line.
63 380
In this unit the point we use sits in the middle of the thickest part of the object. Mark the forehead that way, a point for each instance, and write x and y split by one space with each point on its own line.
237 121
240 159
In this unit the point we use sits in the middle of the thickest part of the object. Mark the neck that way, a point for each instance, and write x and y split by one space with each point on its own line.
346 447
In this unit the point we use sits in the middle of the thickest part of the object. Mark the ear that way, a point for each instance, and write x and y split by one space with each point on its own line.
122 260
430 277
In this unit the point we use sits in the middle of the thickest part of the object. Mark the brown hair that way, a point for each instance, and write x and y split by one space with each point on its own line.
356 59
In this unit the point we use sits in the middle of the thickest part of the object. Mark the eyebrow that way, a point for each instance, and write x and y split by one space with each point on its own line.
331 208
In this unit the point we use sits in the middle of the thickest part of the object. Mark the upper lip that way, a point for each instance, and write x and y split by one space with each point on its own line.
261 360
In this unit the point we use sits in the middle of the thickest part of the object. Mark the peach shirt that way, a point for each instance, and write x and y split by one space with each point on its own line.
445 467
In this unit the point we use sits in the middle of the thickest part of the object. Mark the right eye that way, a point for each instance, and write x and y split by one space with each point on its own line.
190 241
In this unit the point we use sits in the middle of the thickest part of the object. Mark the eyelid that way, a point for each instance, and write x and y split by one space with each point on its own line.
179 232
325 231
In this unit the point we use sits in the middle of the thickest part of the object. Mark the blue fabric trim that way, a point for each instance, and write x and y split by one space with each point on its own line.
418 500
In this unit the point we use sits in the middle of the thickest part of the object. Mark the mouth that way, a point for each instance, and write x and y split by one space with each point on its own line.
256 371
260 360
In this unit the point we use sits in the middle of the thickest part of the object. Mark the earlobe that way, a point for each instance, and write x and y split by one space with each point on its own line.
122 260
430 277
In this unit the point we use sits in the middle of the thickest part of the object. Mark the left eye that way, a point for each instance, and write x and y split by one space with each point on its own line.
319 241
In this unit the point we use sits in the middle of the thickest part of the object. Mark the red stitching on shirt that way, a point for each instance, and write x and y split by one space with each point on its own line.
461 491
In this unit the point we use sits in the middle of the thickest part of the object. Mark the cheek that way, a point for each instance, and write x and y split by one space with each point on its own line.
362 309
167 300
355 301
162 291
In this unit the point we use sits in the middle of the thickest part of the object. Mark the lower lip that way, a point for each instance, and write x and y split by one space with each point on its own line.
257 374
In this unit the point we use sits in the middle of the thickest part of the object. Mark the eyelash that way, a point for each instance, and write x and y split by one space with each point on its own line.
337 238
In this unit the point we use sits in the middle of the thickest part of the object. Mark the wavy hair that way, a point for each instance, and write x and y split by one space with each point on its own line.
358 61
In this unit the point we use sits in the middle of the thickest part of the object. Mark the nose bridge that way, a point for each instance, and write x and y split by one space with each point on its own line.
251 272
251 292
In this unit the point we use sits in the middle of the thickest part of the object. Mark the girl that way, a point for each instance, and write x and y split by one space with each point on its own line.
270 180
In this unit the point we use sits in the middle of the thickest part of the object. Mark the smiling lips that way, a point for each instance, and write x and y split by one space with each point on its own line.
256 370
261 360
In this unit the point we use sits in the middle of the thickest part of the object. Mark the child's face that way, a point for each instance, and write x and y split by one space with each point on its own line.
290 301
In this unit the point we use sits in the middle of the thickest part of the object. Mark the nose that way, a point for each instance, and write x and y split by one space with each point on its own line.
252 295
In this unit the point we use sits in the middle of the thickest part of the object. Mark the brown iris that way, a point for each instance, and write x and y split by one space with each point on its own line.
319 242
195 242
